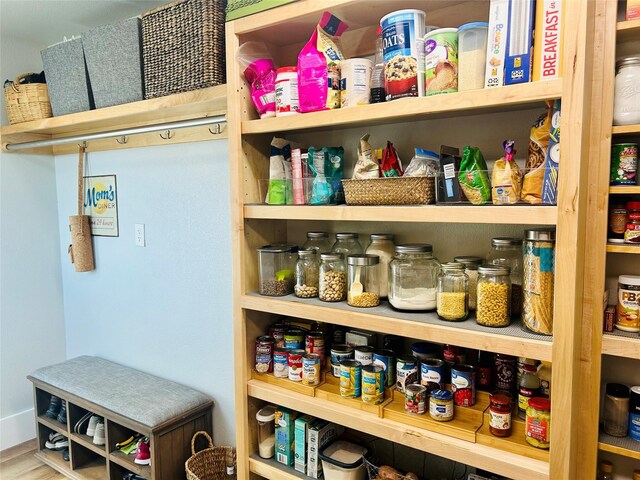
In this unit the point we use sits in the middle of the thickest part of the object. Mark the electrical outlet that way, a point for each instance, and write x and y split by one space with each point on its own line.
139 233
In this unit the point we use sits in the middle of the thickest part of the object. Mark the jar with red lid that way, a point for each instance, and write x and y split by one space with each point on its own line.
632 229
538 422
500 409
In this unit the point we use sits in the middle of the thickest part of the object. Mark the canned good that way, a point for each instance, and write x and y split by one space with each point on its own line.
372 384
264 354
339 352
463 384
441 405
432 374
294 338
314 343
422 350
277 332
364 354
311 369
415 399
295 365
406 372
454 355
387 360
624 163
350 379
281 362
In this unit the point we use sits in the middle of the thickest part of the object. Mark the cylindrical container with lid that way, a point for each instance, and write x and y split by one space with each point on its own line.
424 350
307 274
626 102
277 265
347 244
295 364
471 265
441 61
339 352
363 288
634 413
628 308
539 278
318 241
500 408
314 343
616 410
406 372
529 387
472 55
433 374
413 277
544 374
287 91
494 296
350 379
355 81
441 405
387 360
508 252
617 221
383 246
333 278
606 470
632 227
364 354
538 422
266 431
281 362
624 164
453 292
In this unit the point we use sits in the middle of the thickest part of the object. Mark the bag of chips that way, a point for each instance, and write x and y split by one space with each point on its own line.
473 176
390 165
367 164
424 163
506 179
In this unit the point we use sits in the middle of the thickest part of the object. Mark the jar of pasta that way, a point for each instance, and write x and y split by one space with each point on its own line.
453 292
508 251
538 422
538 280
471 265
493 308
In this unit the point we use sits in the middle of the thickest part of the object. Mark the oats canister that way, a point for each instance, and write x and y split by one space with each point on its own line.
441 61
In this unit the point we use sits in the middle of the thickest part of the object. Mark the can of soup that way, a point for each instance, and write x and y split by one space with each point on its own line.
432 374
339 353
264 354
314 343
387 360
415 399
406 372
311 369
295 365
294 339
350 379
281 362
372 384
277 332
463 384
364 354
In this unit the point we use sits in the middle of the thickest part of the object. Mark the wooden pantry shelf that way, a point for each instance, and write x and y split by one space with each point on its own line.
626 130
272 470
628 31
515 466
615 248
512 340
621 344
473 102
505 215
625 190
624 446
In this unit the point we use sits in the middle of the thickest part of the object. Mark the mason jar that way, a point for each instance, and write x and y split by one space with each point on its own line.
347 244
493 308
453 292
277 264
508 252
626 101
333 278
307 274
471 265
363 288
413 277
318 241
383 246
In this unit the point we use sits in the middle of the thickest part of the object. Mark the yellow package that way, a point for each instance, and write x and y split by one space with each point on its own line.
536 158
506 179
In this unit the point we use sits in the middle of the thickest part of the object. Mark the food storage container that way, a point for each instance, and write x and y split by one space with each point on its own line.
266 431
277 265
538 281
347 244
472 55
616 410
626 102
538 422
494 296
453 292
342 460
413 277
628 306
333 278
319 241
424 350
500 409
307 274
508 251
383 246
471 265
363 276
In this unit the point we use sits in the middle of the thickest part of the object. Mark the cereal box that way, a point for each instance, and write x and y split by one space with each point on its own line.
301 432
496 43
284 420
547 46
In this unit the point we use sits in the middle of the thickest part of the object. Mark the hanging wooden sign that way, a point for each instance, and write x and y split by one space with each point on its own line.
101 204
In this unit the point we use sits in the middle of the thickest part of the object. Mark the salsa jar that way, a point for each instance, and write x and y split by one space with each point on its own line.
538 422
413 277
500 409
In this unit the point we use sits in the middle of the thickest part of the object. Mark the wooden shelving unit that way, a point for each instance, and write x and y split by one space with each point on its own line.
620 446
631 249
625 190
626 130
621 344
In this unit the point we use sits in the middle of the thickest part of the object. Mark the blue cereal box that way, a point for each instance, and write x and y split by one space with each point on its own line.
300 442
519 42
550 183
285 426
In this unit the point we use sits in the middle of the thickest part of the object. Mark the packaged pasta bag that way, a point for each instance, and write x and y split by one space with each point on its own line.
390 165
536 158
280 188
473 176
319 66
506 179
367 164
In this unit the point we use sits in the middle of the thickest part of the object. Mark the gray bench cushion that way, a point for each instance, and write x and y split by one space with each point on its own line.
139 396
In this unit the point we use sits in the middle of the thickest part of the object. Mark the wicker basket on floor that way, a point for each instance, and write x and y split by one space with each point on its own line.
210 463
27 101
390 191
183 47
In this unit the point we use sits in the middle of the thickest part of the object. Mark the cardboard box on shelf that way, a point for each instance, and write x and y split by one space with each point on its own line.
284 420
519 42
300 450
496 43
547 45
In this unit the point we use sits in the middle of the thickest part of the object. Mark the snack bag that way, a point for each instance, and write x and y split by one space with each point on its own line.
424 163
538 150
327 165
319 66
280 190
506 179
390 165
367 164
473 176
260 72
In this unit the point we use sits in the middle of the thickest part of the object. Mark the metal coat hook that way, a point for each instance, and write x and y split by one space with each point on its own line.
83 145
122 140
169 134
217 129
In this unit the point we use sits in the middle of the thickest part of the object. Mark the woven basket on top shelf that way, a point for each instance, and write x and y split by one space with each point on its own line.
183 47
27 101
390 191
210 463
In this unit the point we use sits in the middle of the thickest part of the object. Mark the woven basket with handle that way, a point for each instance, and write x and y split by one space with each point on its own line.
27 101
210 463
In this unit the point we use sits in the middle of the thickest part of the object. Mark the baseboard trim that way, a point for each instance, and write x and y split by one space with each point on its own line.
16 429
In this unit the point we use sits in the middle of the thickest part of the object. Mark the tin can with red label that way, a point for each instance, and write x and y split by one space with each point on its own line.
295 365
264 354
463 385
314 343
415 397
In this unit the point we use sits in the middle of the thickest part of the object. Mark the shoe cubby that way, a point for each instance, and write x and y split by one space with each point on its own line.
117 434
76 414
42 401
87 463
118 472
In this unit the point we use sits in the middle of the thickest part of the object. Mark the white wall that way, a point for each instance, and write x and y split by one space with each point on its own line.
165 308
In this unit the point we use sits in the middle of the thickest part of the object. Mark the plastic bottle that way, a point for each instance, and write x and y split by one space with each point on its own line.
544 374
606 470
529 387
377 74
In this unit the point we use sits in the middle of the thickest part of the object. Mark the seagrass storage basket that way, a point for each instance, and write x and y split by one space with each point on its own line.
390 191
27 101
183 47
210 463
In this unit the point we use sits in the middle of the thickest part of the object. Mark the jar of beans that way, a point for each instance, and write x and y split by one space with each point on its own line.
333 278
453 292
494 296
307 274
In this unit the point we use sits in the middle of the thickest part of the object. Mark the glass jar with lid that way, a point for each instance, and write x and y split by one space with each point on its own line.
508 251
333 278
538 422
471 265
347 244
307 274
453 292
626 101
493 308
363 289
539 266
277 265
318 241
413 277
383 246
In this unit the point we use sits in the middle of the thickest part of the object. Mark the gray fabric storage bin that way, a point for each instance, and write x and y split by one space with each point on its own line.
114 62
67 79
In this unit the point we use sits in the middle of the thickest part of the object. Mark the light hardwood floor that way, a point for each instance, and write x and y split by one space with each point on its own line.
18 463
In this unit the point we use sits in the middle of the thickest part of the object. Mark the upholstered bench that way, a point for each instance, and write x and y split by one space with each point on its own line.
130 401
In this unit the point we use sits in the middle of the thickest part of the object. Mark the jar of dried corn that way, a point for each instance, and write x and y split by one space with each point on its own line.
493 307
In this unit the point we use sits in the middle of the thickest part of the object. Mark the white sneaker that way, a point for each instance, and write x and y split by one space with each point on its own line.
98 436
91 428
